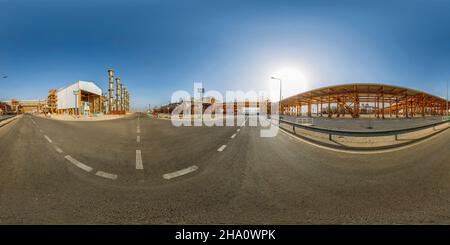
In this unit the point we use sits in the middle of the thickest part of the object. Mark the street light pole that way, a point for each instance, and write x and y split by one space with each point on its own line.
279 102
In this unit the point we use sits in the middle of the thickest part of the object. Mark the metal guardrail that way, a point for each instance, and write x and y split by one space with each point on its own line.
6 117
332 132
305 120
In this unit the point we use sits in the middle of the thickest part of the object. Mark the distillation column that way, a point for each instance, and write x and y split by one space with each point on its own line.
111 89
122 105
118 94
125 99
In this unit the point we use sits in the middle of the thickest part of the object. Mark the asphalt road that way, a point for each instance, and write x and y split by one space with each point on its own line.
254 180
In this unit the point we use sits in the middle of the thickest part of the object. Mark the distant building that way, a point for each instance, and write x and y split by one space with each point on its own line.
217 107
81 98
4 108
14 106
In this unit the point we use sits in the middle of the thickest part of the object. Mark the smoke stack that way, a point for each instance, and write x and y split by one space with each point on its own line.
117 93
111 89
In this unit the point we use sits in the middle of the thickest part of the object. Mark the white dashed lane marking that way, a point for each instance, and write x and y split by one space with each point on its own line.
238 130
139 160
84 166
106 175
232 136
58 149
48 139
138 128
222 148
78 164
180 172
139 164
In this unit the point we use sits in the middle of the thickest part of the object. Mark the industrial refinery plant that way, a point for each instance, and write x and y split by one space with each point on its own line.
82 98
198 114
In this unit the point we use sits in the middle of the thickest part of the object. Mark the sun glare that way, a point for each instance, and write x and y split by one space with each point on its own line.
294 80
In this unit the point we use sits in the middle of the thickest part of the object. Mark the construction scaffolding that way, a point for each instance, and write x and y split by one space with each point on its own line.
52 100
354 100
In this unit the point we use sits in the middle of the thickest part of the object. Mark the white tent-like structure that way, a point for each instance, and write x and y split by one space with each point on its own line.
81 97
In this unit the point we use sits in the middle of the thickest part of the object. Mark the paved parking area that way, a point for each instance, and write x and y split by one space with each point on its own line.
369 124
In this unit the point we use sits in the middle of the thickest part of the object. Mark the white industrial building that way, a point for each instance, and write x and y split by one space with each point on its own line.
81 98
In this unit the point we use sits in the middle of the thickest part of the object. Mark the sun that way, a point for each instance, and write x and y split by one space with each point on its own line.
293 78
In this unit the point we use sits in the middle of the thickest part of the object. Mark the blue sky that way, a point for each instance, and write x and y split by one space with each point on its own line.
158 47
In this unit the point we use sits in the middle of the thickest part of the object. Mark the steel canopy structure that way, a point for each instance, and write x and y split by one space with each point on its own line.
379 100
